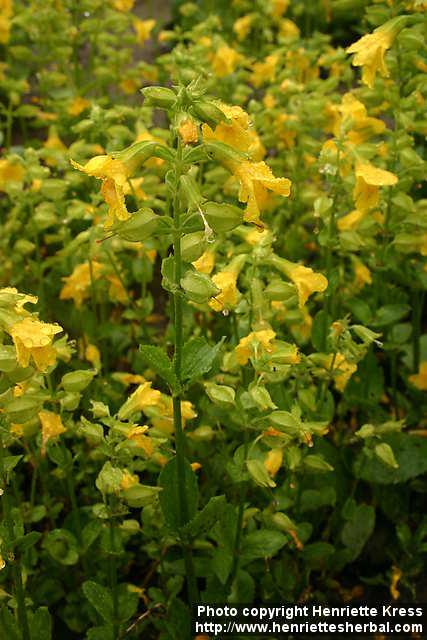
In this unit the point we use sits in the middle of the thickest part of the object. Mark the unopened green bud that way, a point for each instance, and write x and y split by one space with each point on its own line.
190 191
282 522
135 155
385 453
22 409
208 112
262 398
202 433
77 380
222 217
160 97
193 245
284 353
198 287
220 394
279 290
223 152
70 401
317 463
138 227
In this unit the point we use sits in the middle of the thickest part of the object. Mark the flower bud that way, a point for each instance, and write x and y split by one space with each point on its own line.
262 398
279 290
208 112
222 217
139 226
198 287
220 394
160 97
190 191
76 381
193 245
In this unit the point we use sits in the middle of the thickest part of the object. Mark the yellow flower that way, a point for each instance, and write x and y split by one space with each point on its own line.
242 26
342 369
288 29
163 418
351 220
77 106
263 72
128 378
51 427
305 279
128 480
188 131
77 285
273 461
278 7
370 50
205 263
224 61
256 179
33 339
362 273
368 181
419 379
396 575
5 23
10 171
354 112
143 29
93 355
114 175
252 343
116 290
237 134
129 85
228 297
55 143
141 441
123 5
144 396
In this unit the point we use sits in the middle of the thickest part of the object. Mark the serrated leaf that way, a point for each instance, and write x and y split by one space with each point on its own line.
157 360
207 517
170 499
197 358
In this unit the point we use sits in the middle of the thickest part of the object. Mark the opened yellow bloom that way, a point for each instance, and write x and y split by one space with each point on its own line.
370 49
143 29
128 480
141 441
242 26
162 419
305 279
273 461
288 29
228 297
188 131
254 344
368 181
77 285
342 369
77 106
263 72
205 263
123 5
351 220
278 7
362 274
10 172
54 143
93 355
33 339
5 22
351 112
143 397
256 179
238 133
52 427
224 61
419 379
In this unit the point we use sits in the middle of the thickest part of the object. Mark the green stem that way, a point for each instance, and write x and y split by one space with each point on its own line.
417 314
180 444
9 123
113 581
17 574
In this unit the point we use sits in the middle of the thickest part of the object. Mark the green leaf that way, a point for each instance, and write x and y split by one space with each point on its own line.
317 463
157 360
410 453
105 632
62 546
263 543
8 626
319 331
26 542
358 529
100 598
197 358
317 554
169 497
127 603
207 517
41 625
390 314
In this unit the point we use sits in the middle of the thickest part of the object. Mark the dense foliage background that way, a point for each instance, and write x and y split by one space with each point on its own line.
213 353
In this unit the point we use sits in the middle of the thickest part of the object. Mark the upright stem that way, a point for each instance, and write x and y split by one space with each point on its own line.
417 314
17 575
113 580
180 444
